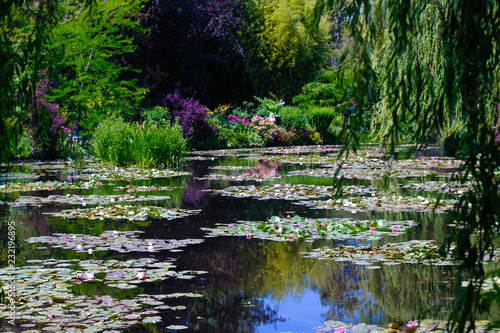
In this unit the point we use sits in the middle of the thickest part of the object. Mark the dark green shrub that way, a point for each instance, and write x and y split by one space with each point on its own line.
317 93
157 115
246 111
121 143
451 144
293 118
321 118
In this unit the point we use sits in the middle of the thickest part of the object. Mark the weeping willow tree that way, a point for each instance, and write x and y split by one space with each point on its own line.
25 26
436 62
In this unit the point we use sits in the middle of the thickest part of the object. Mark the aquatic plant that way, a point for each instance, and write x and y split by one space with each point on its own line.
292 228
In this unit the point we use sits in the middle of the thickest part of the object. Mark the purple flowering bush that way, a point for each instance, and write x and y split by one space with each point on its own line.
189 113
46 123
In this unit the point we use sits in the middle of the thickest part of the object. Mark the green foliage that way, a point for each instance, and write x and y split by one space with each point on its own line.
2 295
284 55
157 115
86 50
24 26
321 118
331 89
269 105
263 107
121 143
239 137
246 111
293 117
232 134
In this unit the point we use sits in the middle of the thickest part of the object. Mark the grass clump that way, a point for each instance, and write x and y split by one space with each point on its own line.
123 144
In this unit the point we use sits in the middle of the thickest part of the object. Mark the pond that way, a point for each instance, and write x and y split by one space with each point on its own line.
253 240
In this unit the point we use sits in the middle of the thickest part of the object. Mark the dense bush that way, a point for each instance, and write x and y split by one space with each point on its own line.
293 117
271 133
121 143
189 112
330 89
46 122
156 116
231 131
322 94
321 118
239 136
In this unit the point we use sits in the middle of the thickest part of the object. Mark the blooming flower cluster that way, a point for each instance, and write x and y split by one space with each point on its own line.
233 118
264 127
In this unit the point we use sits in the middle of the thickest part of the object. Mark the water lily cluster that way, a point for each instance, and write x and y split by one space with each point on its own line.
292 228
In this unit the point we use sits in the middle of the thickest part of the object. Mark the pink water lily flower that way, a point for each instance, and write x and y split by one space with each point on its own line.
249 236
339 330
372 228
410 223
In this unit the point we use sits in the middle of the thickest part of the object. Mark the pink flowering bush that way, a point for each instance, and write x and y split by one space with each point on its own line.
232 131
271 133
236 118
265 128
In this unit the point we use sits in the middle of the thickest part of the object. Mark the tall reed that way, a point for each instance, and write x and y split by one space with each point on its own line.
124 144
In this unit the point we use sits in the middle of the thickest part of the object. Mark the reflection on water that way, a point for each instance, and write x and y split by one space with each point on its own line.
252 285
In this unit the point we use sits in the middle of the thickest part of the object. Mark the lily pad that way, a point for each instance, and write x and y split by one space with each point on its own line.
117 173
137 188
177 327
279 229
294 191
44 293
48 186
406 252
121 241
119 212
83 200
455 187
392 203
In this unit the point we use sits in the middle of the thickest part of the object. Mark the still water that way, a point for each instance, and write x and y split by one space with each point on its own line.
243 284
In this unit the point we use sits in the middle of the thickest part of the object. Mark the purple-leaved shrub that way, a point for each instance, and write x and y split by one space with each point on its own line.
190 114
46 123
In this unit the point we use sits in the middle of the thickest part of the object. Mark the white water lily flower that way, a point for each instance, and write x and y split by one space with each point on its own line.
380 224
131 212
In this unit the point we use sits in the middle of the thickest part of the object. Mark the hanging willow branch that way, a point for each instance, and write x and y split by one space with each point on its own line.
437 62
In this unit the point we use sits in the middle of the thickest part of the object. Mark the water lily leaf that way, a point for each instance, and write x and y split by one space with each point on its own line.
293 191
119 212
115 173
82 200
287 228
177 327
389 254
121 241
